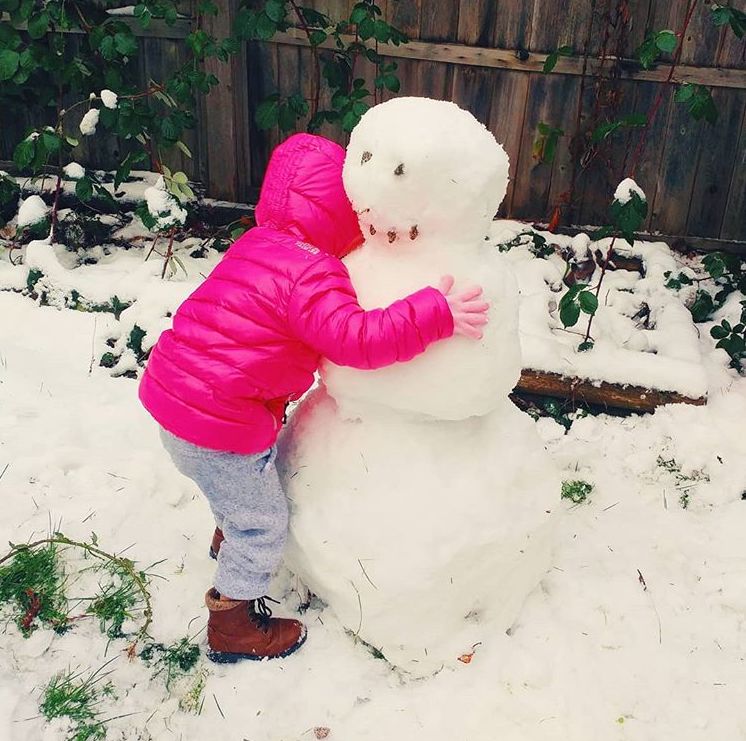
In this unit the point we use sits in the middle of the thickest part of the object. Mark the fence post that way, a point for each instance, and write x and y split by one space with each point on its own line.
226 115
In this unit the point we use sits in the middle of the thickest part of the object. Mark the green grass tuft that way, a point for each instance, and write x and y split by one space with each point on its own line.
118 601
32 586
174 660
576 491
77 697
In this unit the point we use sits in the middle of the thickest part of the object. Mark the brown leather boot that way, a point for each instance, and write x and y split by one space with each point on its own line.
217 541
245 629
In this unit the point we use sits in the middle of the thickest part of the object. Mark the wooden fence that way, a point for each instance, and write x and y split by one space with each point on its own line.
487 55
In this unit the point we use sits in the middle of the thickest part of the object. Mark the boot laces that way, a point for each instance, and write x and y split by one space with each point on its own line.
263 612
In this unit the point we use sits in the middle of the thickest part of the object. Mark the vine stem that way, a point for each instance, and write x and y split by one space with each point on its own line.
316 79
640 149
169 253
123 563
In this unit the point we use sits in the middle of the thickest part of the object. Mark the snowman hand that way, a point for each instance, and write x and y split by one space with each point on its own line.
468 308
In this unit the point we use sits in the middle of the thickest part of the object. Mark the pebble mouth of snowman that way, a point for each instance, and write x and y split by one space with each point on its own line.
391 234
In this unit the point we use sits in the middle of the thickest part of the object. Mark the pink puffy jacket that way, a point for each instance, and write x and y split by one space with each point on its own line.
250 338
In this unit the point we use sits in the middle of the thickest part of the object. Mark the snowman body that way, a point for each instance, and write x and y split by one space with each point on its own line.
421 497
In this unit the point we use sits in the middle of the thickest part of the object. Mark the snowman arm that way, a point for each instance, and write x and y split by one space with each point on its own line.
324 313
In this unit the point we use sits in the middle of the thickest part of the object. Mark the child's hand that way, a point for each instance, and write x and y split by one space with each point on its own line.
468 309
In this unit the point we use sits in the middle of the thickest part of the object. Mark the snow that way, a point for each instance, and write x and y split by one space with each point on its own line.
592 656
74 171
421 444
626 188
89 122
665 356
163 206
31 210
109 98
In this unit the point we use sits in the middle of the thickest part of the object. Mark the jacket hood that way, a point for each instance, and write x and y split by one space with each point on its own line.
303 194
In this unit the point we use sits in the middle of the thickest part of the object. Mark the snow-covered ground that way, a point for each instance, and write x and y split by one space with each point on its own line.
638 632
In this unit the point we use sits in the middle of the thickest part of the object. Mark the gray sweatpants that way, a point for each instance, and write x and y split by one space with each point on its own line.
250 508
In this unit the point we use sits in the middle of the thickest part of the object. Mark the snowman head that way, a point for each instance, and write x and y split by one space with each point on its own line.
422 169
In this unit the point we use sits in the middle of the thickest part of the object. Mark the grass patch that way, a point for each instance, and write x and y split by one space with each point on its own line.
33 580
576 491
173 661
685 482
32 587
78 697
119 600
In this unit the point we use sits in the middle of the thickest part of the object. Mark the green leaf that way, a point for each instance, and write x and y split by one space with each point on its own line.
685 92
700 103
588 302
569 314
715 264
275 10
318 37
51 141
38 25
392 83
24 153
648 53
719 332
553 58
9 63
702 307
107 47
605 130
84 189
267 113
266 28
125 43
586 345
366 28
666 41
725 15
350 120
286 117
184 149
359 14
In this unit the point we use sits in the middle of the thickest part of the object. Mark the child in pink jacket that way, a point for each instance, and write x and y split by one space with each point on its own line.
247 342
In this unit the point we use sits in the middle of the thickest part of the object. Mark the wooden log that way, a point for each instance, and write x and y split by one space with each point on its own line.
607 395
476 56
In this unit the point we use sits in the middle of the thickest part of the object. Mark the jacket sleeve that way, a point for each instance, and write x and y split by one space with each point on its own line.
324 313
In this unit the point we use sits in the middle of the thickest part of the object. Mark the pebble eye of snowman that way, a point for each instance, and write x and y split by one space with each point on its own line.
399 170
367 157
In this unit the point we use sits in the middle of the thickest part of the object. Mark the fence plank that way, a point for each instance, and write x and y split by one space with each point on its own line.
732 52
555 24
226 115
405 15
734 220
716 165
506 121
649 167
548 95
596 184
476 56
263 81
439 21
677 172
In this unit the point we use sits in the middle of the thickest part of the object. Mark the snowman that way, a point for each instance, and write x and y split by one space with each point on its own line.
421 497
